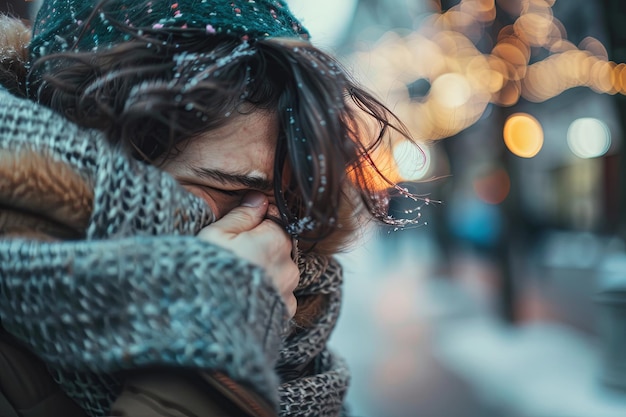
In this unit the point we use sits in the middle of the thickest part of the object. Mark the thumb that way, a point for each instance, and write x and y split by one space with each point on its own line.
246 216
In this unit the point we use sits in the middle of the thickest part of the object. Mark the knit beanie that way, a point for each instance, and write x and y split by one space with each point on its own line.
88 25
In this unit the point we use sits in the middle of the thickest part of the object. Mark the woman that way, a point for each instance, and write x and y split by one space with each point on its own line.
175 187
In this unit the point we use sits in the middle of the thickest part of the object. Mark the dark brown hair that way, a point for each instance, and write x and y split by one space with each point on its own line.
158 89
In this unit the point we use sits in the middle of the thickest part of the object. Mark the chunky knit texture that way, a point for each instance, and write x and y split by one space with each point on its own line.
140 290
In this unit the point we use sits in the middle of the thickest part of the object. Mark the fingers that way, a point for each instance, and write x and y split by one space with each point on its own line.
246 216
248 232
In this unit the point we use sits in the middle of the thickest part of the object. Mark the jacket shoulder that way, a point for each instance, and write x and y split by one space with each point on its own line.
26 387
167 392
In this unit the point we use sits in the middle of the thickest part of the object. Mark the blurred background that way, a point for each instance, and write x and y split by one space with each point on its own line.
509 297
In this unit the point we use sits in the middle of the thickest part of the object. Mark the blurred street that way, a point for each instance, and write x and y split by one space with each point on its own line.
510 300
423 344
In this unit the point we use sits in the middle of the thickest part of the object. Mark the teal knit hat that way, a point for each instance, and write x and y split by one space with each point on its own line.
61 25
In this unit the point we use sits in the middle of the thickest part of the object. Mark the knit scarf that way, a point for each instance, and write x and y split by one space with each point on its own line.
122 283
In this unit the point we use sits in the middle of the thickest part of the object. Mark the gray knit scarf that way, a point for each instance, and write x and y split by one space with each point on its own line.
138 289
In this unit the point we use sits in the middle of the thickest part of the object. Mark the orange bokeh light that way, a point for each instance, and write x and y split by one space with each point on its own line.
386 165
523 135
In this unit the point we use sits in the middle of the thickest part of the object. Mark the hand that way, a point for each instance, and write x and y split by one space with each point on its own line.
246 232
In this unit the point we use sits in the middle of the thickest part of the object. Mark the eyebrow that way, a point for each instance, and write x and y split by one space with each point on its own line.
248 181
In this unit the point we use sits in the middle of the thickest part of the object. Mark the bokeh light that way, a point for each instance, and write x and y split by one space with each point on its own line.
464 79
413 162
523 135
588 137
451 90
493 187
385 164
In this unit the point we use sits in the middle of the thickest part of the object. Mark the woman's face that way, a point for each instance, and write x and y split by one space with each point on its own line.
222 165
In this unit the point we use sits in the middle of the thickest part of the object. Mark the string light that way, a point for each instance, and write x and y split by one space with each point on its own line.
465 80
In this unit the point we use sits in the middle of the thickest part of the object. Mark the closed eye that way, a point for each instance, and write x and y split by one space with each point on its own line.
230 193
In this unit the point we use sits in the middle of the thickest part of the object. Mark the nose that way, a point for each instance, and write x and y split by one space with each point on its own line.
272 211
